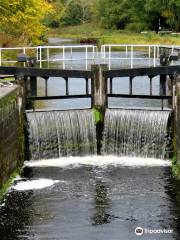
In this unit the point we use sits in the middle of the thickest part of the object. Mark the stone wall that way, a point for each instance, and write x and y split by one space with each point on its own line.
177 119
11 131
176 138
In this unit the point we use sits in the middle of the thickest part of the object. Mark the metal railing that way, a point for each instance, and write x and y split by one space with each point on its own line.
89 52
152 52
43 53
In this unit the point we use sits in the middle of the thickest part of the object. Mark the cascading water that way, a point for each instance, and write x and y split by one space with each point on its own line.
137 133
53 134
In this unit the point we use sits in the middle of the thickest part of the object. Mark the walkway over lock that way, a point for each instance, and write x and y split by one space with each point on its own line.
101 79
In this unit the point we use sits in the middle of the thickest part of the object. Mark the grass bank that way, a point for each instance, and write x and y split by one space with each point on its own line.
105 36
7 185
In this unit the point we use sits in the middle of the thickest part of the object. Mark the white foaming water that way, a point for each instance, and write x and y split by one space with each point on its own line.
100 161
34 184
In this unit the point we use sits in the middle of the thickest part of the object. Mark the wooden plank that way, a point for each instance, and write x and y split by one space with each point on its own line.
59 97
33 86
67 85
139 96
130 85
22 71
99 84
163 70
43 72
87 85
162 90
150 82
111 85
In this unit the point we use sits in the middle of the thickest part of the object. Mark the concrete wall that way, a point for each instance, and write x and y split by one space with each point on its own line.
11 131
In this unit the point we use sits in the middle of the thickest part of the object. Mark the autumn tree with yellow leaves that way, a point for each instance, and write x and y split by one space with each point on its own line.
23 19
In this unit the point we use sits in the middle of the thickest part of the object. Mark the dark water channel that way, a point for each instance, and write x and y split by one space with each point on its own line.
93 198
93 202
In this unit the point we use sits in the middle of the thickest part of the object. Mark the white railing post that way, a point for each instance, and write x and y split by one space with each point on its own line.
149 51
47 54
40 56
109 57
126 51
154 55
86 57
132 55
63 57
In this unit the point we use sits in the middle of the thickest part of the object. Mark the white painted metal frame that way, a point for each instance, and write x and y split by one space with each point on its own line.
152 50
39 52
43 53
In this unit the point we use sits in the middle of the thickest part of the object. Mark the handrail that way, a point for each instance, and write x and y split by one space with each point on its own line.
153 52
39 53
43 53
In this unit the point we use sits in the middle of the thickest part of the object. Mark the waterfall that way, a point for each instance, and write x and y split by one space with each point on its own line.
137 133
53 134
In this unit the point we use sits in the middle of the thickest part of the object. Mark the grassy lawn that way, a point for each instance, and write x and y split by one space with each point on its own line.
92 30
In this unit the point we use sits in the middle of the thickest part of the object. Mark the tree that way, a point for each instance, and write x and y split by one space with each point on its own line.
114 14
172 14
23 19
76 12
53 19
139 14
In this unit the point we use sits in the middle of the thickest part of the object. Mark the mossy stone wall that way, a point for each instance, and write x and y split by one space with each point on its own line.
176 140
11 132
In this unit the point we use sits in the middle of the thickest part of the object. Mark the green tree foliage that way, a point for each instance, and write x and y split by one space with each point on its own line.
114 14
53 19
139 14
23 19
76 12
172 14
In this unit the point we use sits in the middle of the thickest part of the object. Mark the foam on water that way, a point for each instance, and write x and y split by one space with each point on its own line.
34 184
100 161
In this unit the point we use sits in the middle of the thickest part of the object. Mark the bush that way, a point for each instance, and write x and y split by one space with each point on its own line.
136 27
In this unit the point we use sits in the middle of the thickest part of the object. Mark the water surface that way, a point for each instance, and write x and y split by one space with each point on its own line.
93 201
